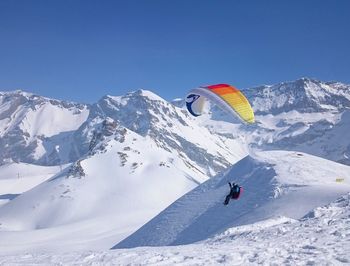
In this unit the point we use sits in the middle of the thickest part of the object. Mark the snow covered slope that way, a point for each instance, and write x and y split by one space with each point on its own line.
276 183
322 237
131 188
16 178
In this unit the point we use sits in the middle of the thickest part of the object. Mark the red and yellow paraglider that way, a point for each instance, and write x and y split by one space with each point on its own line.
226 97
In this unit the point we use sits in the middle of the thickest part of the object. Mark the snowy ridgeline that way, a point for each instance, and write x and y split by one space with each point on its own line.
135 170
303 115
276 183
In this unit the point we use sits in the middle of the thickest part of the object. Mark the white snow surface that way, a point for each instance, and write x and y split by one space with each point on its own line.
87 206
16 178
320 238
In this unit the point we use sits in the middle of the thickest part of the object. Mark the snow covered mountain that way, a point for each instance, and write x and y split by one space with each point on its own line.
170 128
304 95
34 129
305 115
78 177
141 154
51 132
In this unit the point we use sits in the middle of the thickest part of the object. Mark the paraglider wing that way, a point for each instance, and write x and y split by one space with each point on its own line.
226 97
194 104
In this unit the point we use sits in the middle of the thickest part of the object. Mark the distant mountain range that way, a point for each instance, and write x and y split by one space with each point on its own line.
306 114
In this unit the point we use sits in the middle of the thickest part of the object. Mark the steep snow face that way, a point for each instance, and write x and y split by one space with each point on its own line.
276 183
35 129
141 111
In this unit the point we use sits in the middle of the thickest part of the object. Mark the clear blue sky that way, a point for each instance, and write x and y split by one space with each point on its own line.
81 50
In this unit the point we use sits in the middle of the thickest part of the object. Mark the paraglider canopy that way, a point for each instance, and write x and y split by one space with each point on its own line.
226 97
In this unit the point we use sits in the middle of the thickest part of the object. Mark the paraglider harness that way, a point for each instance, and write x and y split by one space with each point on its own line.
235 192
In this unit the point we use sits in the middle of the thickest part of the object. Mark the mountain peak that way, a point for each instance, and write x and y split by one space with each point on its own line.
146 93
130 96
307 79
18 93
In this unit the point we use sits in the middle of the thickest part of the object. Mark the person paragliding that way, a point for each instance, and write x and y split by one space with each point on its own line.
235 192
229 99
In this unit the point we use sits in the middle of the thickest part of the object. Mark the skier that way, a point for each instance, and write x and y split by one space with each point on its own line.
235 191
